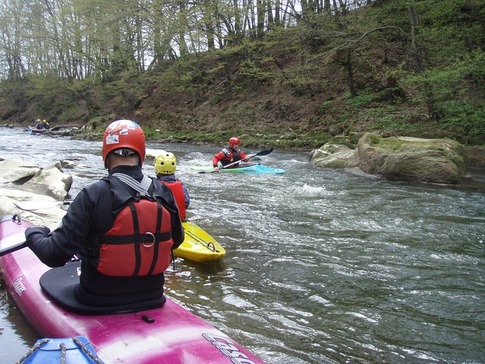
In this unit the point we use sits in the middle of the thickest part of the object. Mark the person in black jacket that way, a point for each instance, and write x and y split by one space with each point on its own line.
122 227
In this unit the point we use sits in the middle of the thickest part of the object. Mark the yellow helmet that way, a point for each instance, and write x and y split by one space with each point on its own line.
165 163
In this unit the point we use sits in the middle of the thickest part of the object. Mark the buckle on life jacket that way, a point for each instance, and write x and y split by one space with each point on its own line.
149 245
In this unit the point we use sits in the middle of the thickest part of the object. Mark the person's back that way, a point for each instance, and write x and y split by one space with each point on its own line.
165 165
39 124
123 228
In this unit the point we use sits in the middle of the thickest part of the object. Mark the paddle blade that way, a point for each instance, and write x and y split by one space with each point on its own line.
12 243
264 152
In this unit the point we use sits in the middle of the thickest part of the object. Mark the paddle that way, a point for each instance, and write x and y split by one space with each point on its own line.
17 241
38 205
249 156
12 243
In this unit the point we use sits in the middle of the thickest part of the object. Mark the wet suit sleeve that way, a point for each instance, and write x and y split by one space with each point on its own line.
178 233
58 247
216 158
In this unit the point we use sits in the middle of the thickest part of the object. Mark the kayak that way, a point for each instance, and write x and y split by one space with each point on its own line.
72 350
168 334
254 169
35 130
199 246
248 168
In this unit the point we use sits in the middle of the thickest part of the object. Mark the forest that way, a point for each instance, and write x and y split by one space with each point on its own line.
293 73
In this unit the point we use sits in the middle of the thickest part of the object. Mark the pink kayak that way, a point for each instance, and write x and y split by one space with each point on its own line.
169 334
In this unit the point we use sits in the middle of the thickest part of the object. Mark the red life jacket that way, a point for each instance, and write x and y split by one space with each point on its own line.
231 156
137 244
178 193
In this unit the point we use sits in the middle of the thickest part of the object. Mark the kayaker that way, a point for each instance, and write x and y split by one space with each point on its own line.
123 228
229 155
165 165
39 124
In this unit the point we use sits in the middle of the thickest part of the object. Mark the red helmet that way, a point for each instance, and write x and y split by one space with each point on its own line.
233 141
124 134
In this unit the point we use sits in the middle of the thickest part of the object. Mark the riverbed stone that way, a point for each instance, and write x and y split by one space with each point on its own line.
23 181
16 171
49 217
440 161
51 181
334 156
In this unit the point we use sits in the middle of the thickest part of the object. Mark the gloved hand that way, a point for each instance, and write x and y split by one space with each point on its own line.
31 231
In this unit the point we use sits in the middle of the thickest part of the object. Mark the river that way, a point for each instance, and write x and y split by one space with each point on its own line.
322 265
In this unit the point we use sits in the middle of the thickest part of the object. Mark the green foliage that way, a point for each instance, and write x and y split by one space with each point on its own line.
52 95
389 123
302 85
471 119
363 99
452 27
250 70
456 93
325 107
294 79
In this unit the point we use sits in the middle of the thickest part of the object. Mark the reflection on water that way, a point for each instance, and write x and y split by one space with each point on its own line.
321 265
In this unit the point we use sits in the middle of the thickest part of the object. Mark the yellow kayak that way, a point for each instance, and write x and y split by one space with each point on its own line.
199 246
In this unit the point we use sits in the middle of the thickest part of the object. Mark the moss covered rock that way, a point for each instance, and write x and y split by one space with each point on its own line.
399 158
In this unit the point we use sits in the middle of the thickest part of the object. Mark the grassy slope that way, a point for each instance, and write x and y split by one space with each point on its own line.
292 88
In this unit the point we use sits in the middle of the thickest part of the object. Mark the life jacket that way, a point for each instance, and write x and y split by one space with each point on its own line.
178 193
230 156
137 244
227 153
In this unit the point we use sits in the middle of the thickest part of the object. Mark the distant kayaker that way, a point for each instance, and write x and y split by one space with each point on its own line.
165 166
39 124
123 228
229 155
42 124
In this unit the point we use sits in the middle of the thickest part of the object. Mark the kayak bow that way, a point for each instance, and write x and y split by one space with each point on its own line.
73 350
199 246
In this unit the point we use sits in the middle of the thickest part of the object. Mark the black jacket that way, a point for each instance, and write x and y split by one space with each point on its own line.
92 213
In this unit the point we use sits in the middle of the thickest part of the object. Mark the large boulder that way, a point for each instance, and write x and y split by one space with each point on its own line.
50 216
412 159
399 158
21 181
333 155
16 171
51 181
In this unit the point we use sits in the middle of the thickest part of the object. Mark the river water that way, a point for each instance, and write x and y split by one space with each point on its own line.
321 266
